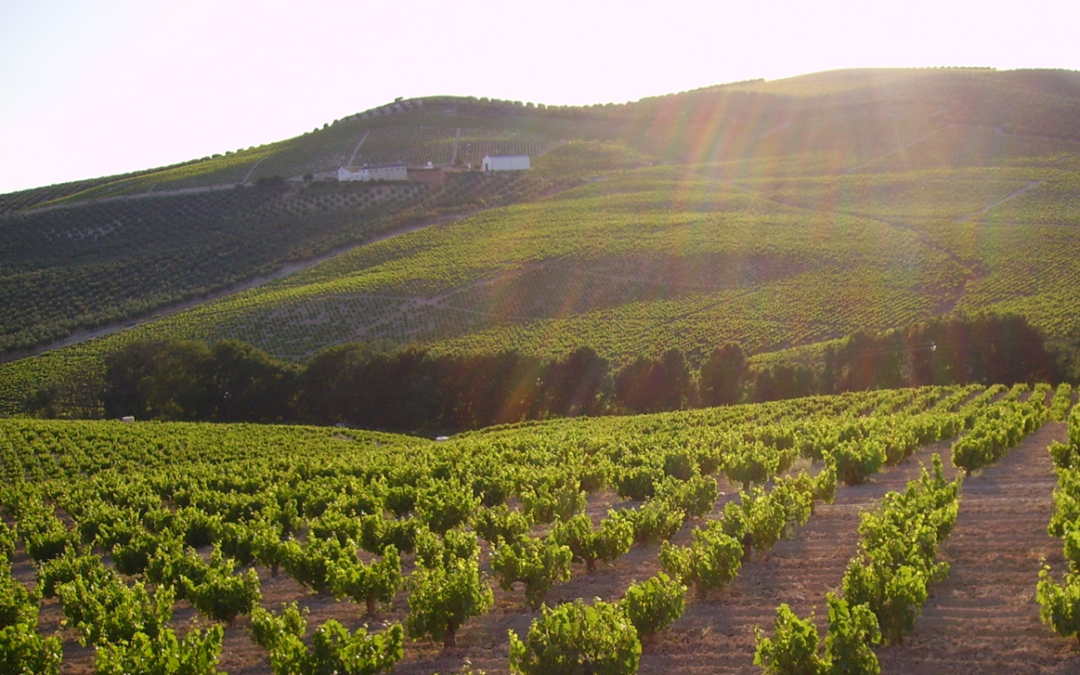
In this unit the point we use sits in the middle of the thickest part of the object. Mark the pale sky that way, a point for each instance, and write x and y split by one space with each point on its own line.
97 87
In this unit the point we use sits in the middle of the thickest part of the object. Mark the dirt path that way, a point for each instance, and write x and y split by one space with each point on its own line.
918 140
984 618
247 176
352 157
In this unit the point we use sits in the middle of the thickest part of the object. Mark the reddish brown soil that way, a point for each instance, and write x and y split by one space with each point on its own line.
717 634
983 619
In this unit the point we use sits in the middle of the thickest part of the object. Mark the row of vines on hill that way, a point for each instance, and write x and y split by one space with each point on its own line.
196 512
612 265
81 266
888 580
1059 601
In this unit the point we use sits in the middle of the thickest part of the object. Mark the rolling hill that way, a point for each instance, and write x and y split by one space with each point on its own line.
916 530
780 215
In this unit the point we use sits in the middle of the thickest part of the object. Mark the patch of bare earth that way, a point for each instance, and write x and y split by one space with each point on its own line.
716 635
984 618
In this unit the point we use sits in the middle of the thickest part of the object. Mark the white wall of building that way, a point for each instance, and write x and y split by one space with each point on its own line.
385 172
397 171
506 163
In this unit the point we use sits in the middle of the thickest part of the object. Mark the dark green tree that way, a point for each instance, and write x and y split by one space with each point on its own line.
721 377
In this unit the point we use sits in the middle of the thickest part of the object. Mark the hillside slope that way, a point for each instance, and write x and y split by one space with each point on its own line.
777 214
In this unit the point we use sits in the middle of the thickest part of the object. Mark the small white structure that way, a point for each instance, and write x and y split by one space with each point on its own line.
393 171
506 162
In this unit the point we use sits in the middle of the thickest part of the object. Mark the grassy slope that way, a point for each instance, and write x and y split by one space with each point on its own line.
798 211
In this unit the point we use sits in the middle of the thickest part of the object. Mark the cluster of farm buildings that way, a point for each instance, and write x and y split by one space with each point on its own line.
427 174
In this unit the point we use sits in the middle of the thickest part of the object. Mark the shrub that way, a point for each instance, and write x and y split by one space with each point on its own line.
16 603
853 629
610 542
432 551
446 505
547 503
793 648
268 628
750 464
1065 456
856 462
162 654
1059 604
709 563
171 563
695 496
109 611
370 584
222 595
654 604
638 483
576 638
537 564
825 485
442 598
333 648
499 523
655 521
24 652
72 565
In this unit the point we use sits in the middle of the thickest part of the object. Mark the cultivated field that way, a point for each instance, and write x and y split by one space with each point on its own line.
120 489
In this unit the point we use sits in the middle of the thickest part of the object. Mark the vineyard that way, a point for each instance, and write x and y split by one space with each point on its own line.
777 215
80 267
14 202
1053 202
643 260
661 543
923 530
74 268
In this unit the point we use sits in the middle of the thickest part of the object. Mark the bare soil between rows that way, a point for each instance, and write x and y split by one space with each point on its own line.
984 618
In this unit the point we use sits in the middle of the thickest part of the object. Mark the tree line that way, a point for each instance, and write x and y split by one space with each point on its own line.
407 390
415 390
942 351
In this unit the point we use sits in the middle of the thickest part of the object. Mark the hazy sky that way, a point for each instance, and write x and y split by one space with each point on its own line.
96 87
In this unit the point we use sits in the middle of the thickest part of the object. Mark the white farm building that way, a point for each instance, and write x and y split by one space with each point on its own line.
393 171
505 162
